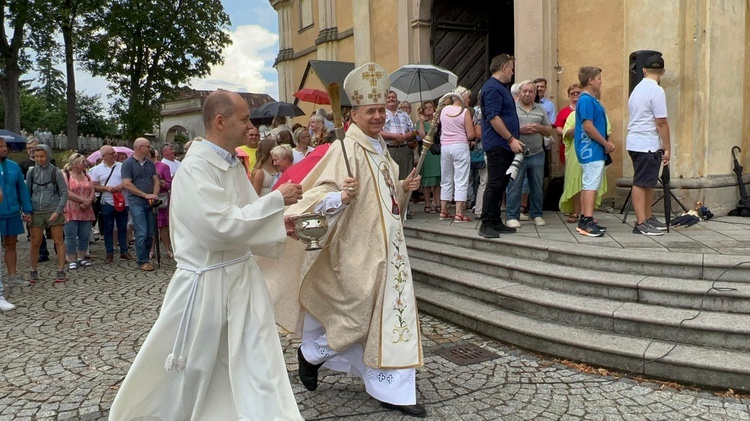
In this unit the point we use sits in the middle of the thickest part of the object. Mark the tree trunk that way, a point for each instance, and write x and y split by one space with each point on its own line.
72 121
10 95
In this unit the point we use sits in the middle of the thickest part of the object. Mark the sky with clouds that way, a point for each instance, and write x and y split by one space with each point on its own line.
248 62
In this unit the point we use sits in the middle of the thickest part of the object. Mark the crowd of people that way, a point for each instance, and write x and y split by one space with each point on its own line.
122 198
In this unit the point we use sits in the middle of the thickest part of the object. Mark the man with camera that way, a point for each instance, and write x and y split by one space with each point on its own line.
140 179
500 132
534 126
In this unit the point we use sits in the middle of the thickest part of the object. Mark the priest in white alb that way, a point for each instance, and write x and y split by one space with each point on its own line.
214 352
356 307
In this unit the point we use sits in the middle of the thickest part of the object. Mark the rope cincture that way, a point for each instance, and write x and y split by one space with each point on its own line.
177 360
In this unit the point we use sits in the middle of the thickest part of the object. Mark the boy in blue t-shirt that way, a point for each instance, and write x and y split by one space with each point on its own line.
591 146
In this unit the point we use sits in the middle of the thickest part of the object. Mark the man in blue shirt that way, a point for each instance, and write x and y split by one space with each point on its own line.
500 132
591 145
139 178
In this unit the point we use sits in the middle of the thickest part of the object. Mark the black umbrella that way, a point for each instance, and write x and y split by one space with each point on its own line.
277 109
665 180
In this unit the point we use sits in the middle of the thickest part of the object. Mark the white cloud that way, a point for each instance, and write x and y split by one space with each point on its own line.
245 62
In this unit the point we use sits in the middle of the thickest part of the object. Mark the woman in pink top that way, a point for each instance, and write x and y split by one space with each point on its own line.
456 131
79 212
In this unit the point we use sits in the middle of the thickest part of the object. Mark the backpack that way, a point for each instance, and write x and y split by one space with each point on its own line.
53 181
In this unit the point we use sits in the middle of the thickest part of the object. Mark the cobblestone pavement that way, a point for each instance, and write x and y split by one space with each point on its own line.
66 349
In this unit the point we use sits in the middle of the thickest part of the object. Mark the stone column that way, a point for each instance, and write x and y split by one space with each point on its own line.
327 41
283 60
701 42
421 30
362 32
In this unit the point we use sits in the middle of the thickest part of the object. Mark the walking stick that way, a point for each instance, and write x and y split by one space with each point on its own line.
155 211
334 96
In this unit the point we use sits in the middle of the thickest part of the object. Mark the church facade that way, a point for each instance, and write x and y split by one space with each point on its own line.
705 44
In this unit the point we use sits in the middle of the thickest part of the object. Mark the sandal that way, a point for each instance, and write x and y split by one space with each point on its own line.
73 266
444 216
428 209
85 263
461 218
170 255
573 217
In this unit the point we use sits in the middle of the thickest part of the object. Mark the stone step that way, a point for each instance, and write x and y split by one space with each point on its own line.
697 327
662 359
719 296
662 264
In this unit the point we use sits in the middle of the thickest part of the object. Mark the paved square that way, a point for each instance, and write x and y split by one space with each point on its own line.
66 349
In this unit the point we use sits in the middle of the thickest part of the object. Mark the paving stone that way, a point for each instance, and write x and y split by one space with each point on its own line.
67 348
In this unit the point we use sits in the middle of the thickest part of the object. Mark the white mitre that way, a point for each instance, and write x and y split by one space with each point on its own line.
367 85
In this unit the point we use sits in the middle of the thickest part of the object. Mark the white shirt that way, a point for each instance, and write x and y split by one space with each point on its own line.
173 165
646 104
99 175
298 156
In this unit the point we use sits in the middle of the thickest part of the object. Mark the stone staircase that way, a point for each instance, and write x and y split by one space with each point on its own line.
676 316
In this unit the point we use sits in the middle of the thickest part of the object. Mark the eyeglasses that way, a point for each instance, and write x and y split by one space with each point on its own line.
575 93
109 153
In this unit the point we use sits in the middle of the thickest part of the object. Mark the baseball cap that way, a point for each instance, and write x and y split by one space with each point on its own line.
654 62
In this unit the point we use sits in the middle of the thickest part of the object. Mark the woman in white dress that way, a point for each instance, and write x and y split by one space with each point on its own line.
262 175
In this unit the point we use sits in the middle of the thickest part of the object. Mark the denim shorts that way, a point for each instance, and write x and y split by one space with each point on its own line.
593 172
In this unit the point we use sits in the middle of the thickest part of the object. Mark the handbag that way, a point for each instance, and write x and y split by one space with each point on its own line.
98 218
435 147
477 157
119 201
163 200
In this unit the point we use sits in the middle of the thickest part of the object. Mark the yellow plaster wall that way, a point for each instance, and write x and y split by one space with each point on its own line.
600 45
746 110
306 38
344 17
384 21
346 49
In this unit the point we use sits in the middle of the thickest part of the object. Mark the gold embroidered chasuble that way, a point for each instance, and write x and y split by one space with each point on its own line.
359 286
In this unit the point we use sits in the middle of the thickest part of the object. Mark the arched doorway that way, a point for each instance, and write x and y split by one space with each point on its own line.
176 134
467 34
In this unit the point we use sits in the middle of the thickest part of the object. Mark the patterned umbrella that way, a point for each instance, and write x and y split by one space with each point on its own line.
413 82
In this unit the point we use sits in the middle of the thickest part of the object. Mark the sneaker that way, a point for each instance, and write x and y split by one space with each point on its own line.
488 231
539 221
6 306
502 228
525 217
589 229
60 276
513 223
15 281
33 277
646 229
656 223
601 228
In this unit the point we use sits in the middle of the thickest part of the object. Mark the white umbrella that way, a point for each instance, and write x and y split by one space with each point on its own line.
414 82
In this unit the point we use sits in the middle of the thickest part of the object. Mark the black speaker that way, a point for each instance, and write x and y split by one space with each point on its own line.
637 60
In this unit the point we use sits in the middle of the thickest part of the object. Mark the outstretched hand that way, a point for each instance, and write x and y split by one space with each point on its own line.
291 192
412 181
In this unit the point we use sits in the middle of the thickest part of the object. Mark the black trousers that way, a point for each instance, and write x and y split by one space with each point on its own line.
498 162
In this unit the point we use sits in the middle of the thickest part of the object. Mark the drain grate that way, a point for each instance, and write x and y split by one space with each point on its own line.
467 354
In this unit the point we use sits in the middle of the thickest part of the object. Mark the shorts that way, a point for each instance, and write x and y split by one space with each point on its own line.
593 172
645 168
40 219
11 227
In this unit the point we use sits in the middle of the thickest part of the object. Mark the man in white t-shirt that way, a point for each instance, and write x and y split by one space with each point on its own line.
648 143
107 179
167 157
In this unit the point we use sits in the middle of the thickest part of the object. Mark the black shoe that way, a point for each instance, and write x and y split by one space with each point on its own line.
415 410
43 259
502 228
308 373
488 231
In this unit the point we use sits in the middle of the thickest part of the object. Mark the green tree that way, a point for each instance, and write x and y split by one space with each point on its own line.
91 116
20 17
147 48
